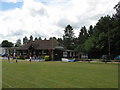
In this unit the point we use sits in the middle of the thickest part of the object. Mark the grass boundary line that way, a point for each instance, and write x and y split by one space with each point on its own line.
8 85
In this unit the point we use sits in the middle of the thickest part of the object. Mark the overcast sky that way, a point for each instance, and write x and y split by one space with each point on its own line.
47 18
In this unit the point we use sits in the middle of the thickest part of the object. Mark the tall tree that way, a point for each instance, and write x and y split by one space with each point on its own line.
31 38
90 31
60 40
18 43
83 35
45 39
25 40
40 38
36 38
97 44
6 43
68 37
52 38
116 30
117 7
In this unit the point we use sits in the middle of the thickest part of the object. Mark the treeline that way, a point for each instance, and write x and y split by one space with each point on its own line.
6 43
98 40
101 39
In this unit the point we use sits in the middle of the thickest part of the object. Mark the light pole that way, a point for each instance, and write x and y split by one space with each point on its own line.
52 48
109 46
109 50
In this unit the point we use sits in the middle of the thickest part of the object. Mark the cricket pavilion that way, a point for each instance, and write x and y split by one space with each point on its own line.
39 48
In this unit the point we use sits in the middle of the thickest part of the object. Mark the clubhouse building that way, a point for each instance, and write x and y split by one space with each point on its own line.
39 48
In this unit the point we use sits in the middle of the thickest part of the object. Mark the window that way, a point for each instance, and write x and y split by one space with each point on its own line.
24 52
70 54
74 54
64 54
44 52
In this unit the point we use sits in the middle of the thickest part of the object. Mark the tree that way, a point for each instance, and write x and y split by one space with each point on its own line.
25 40
52 38
60 40
116 31
31 38
117 15
68 37
40 38
6 43
45 39
18 43
97 44
36 38
90 31
83 35
68 32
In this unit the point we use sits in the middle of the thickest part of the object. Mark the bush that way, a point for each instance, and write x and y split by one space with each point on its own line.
21 57
47 58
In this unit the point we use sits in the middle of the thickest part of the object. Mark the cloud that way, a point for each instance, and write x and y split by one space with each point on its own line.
49 19
11 1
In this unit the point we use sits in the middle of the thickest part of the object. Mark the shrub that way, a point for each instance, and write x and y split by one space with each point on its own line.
47 58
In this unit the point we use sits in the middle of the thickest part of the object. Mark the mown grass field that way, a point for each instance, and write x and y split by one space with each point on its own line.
59 75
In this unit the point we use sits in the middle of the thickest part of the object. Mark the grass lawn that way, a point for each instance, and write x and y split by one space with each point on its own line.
59 75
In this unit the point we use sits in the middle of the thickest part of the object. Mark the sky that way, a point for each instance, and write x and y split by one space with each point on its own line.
48 18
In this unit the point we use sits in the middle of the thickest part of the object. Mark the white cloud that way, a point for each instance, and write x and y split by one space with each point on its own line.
46 20
11 1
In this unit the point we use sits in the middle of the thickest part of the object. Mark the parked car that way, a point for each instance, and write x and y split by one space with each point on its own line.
117 57
4 55
68 60
104 58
